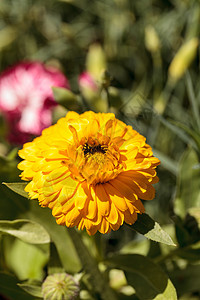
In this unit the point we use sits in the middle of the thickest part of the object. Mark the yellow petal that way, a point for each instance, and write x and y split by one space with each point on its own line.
113 214
91 208
80 197
103 201
104 227
57 210
115 196
61 220
72 215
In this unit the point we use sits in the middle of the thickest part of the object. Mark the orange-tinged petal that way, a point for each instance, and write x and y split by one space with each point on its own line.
113 216
139 207
115 196
80 197
57 210
61 220
130 218
91 208
72 215
104 228
102 199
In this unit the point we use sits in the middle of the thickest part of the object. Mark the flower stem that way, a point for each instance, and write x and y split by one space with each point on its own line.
90 266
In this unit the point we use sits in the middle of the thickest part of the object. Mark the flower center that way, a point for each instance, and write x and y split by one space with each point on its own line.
88 149
100 162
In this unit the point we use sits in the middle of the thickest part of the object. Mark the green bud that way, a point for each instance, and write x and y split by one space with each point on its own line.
96 61
183 59
152 41
60 286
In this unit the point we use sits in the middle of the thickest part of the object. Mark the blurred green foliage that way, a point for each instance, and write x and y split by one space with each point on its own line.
139 40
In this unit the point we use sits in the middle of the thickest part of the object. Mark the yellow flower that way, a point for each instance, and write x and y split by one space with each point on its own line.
91 170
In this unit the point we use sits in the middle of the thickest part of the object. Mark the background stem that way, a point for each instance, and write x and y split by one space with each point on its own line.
100 286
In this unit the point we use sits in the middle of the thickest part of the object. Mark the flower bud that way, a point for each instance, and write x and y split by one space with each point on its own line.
152 41
88 86
59 286
96 61
183 59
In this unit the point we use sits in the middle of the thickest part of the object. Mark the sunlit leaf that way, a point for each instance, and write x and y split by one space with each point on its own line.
147 278
34 290
17 187
151 229
25 230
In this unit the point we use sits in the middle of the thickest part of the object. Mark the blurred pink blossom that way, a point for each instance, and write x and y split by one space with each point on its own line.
86 81
26 98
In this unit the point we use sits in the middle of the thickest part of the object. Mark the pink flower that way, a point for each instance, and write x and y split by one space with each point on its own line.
26 98
86 81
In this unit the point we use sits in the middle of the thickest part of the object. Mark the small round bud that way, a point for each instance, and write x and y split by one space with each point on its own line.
59 286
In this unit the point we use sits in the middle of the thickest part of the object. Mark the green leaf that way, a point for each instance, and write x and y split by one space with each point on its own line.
25 260
147 278
151 229
9 288
188 191
64 97
25 230
34 290
17 187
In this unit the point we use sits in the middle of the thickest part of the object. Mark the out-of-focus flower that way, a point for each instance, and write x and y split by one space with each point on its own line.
26 98
88 86
91 89
60 286
91 170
